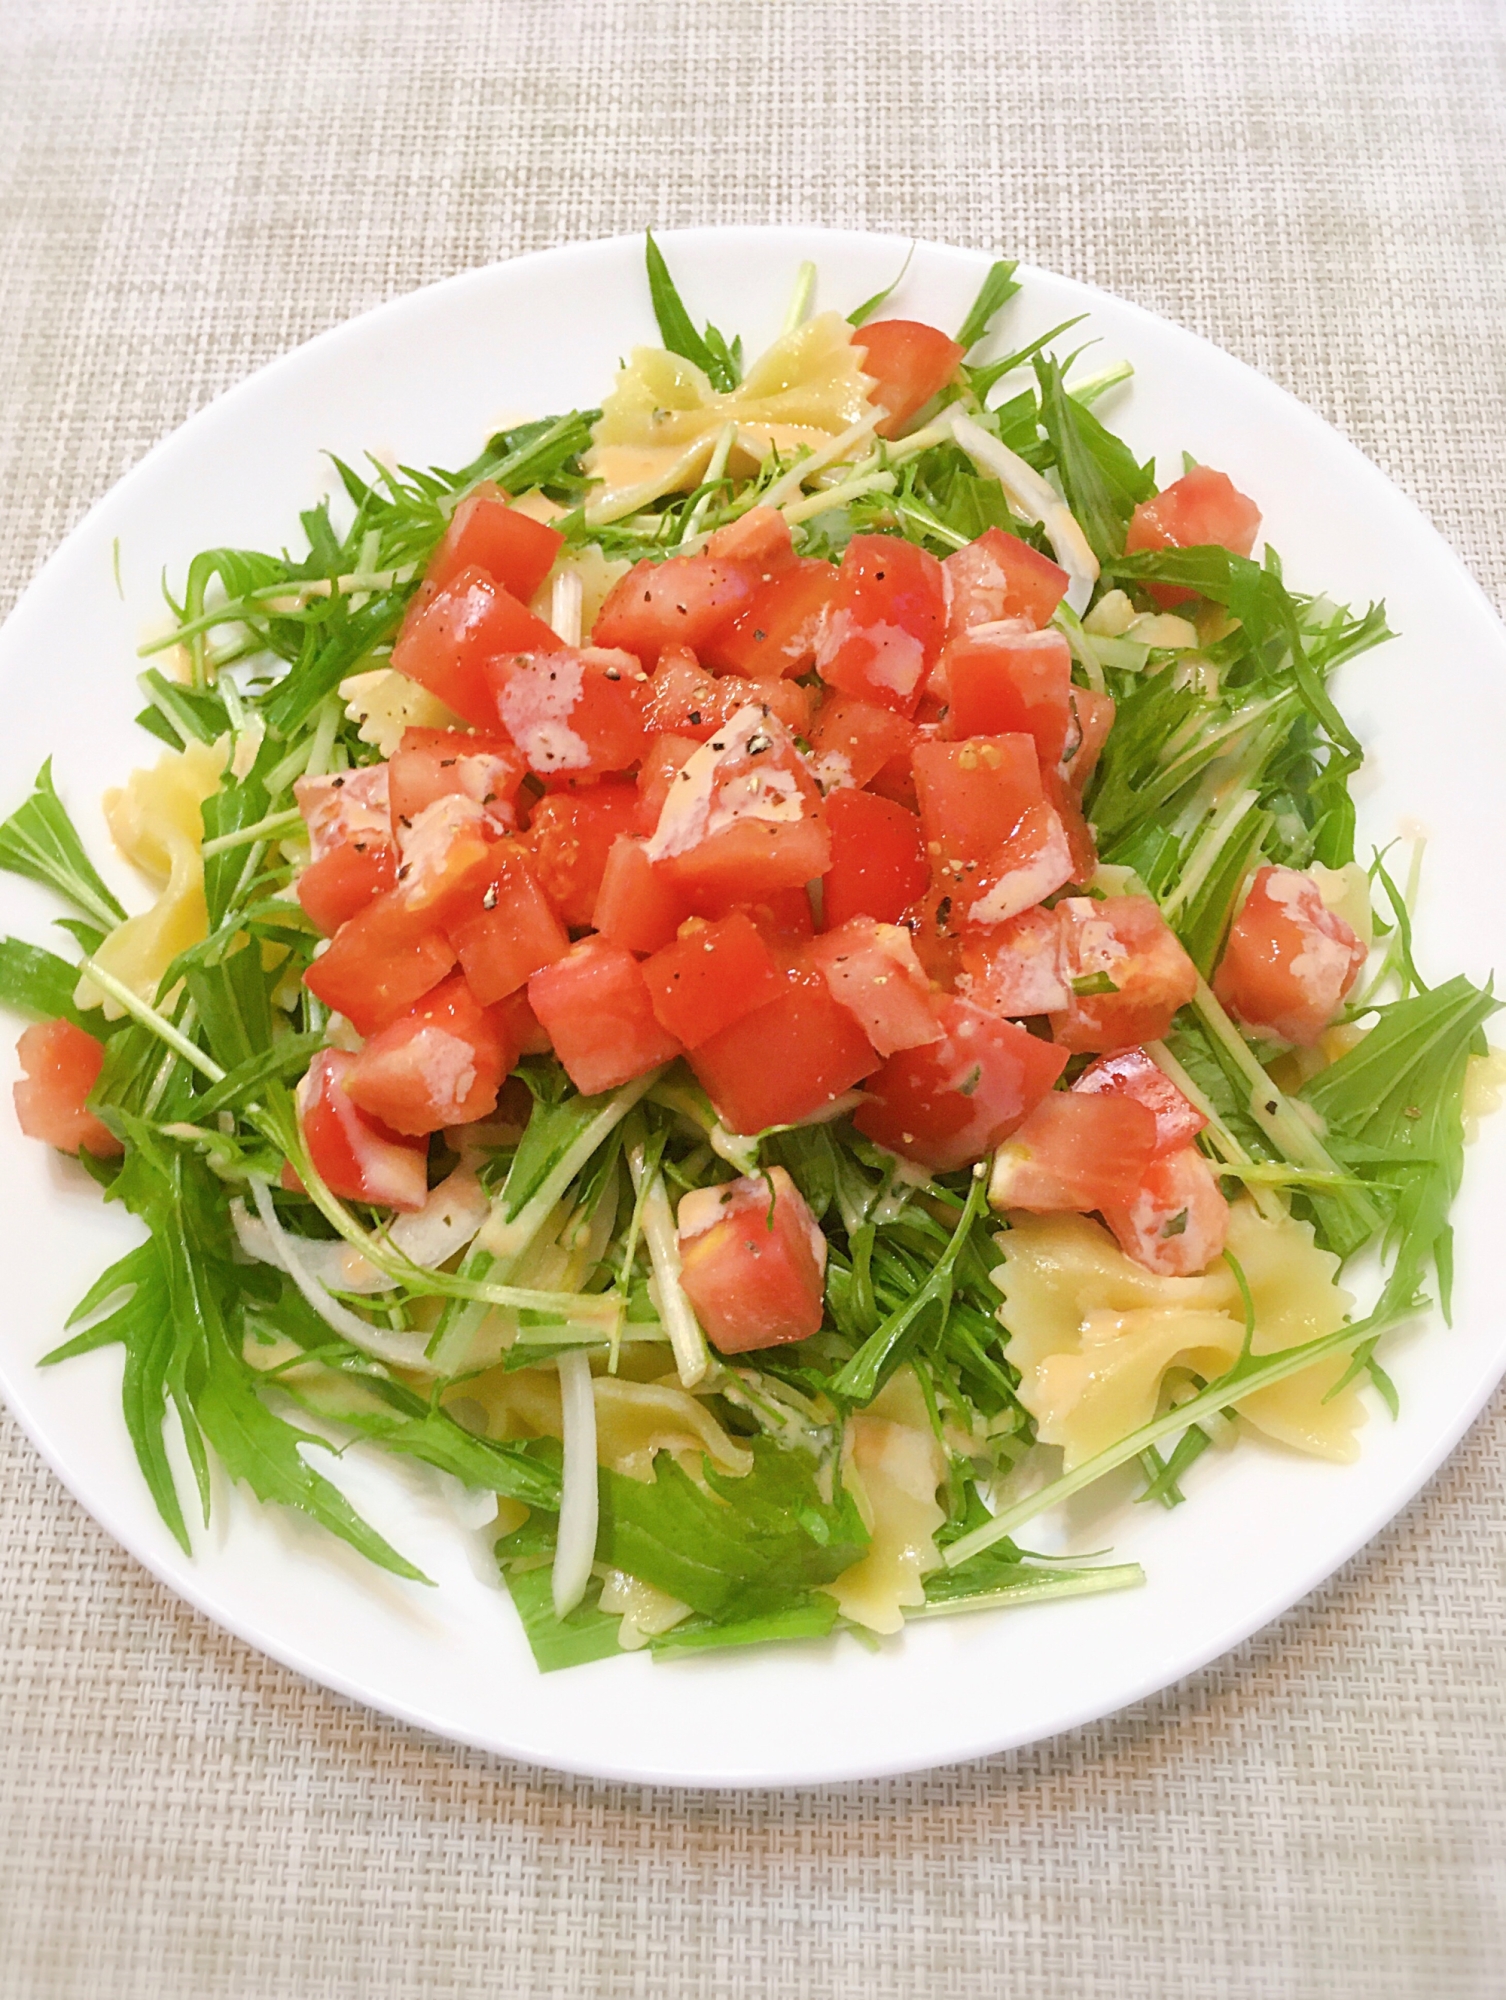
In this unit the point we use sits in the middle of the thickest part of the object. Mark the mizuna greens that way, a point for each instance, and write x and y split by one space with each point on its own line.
652 1487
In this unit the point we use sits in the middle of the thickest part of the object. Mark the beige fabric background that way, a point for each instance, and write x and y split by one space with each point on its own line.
187 190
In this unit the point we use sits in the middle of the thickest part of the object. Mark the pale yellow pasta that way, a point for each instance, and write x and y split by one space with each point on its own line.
634 1420
660 424
597 575
155 822
1093 1333
892 1464
383 704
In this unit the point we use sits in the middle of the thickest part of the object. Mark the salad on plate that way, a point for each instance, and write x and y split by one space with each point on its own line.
771 978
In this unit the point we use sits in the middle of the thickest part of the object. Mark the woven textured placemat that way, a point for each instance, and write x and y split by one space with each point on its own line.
187 188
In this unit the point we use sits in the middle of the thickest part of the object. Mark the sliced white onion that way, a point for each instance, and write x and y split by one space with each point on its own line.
1038 500
575 1550
428 1237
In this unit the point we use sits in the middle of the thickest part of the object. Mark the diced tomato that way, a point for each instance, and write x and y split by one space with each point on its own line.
1132 1073
1002 679
663 760
62 1064
783 918
760 538
873 972
1177 1220
909 363
779 631
594 1005
710 977
432 764
1093 718
1073 1154
486 533
508 931
932 921
447 638
1289 960
785 1062
993 843
344 807
949 1104
884 626
852 741
1066 802
999 576
441 1063
753 1262
684 601
357 1157
446 857
878 859
334 889
1200 508
792 703
1127 972
635 907
521 1025
1016 968
379 963
743 816
573 713
570 837
680 698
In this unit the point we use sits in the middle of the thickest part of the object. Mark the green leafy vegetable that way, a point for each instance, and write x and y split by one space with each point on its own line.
40 841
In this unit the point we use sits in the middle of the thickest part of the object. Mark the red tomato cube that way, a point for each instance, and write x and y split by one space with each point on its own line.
1000 681
779 631
448 636
486 533
379 963
1132 1073
999 576
909 363
710 977
571 713
508 931
1289 959
442 1063
852 741
873 972
785 1062
994 845
635 907
1127 972
1092 719
1016 968
878 860
684 601
594 1006
62 1064
570 836
336 888
884 625
753 1262
1073 1154
343 808
356 1156
1177 1220
760 539
680 698
1200 508
432 764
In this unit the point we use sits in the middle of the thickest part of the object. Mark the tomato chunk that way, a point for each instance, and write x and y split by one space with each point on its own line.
742 816
878 860
1177 1220
1200 508
635 907
333 890
1132 1073
710 977
909 363
594 1005
999 576
380 962
1001 680
786 1061
1092 719
509 931
779 631
1127 972
520 1024
852 741
753 1262
993 843
1073 1154
760 538
441 1064
873 972
783 918
1016 968
883 628
447 638
486 533
684 601
62 1064
432 764
1289 960
680 698
344 808
570 836
949 1104
571 712
357 1157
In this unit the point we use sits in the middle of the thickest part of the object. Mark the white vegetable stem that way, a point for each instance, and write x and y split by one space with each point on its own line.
1036 498
404 1350
575 1549
675 1309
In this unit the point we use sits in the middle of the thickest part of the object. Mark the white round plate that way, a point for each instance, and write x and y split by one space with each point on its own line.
424 380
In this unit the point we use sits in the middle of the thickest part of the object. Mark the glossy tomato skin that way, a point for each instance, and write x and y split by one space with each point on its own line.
884 626
569 838
1177 1221
778 633
852 741
1201 507
1289 960
949 1104
507 930
448 636
786 1061
1074 1154
680 698
1126 941
872 971
486 533
710 976
595 1007
339 886
1015 968
353 858
1133 1074
1092 719
753 1262
432 764
440 1064
572 714
909 363
379 964
635 907
684 601
994 846
878 859
357 1157
760 539
783 918
62 1064
998 576
1001 681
